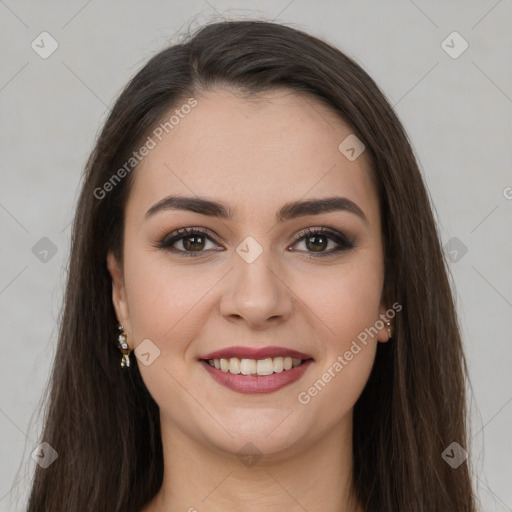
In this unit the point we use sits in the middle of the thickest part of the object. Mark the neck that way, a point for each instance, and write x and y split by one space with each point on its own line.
199 477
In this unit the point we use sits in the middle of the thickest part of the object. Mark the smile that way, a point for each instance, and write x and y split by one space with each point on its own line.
251 376
260 367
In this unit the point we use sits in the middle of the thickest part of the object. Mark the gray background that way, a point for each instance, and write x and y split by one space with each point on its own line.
457 112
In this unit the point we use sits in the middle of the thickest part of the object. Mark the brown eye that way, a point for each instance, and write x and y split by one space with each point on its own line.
193 242
187 241
316 241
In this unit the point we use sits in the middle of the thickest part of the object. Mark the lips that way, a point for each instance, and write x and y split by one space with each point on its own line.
255 353
255 384
250 370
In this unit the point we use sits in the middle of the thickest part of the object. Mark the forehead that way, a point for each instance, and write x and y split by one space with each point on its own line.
255 153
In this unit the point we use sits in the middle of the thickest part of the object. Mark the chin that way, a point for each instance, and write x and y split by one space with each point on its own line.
274 434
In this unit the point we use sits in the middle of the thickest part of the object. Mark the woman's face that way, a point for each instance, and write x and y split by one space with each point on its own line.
254 279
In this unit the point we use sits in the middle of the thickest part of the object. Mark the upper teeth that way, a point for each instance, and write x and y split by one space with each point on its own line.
255 366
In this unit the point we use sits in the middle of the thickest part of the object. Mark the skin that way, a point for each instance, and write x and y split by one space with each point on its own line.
254 155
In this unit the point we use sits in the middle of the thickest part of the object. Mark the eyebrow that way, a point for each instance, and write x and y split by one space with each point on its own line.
289 211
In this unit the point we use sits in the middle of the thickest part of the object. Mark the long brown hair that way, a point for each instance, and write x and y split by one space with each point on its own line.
101 419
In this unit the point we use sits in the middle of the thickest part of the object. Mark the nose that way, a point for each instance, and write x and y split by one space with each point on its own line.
254 293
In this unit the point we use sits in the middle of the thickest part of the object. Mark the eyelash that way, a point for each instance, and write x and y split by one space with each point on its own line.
168 241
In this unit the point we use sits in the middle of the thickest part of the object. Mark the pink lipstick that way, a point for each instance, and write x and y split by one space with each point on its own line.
250 370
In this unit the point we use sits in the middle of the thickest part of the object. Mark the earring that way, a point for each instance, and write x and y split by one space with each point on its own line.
123 347
388 326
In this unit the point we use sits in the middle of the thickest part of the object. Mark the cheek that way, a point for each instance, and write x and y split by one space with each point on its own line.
345 300
349 307
346 304
160 292
169 301
332 391
167 306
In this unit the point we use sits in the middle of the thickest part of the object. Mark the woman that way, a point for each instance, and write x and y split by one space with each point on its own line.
258 314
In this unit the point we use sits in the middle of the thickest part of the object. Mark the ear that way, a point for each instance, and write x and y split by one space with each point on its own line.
383 335
119 299
387 293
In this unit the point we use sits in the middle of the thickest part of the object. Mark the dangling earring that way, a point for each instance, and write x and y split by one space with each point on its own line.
388 325
123 347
